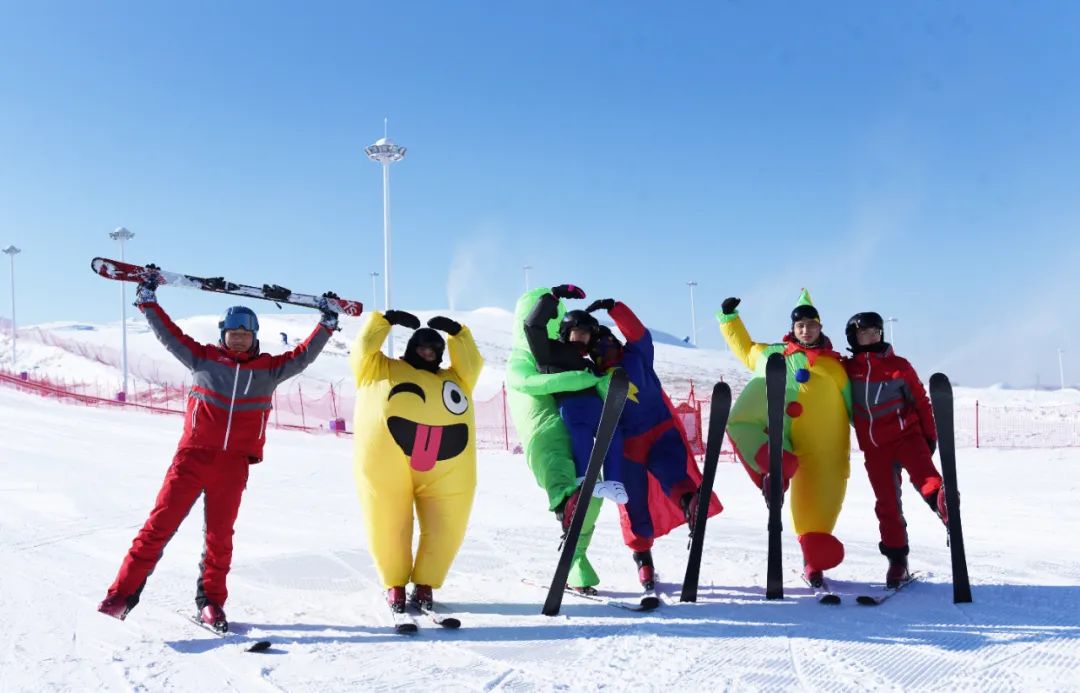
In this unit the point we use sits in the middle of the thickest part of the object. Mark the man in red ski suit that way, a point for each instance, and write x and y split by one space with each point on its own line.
654 441
224 430
895 427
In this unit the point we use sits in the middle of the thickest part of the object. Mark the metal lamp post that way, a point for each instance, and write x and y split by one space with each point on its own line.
11 251
890 321
525 269
385 152
121 234
693 315
375 292
1061 360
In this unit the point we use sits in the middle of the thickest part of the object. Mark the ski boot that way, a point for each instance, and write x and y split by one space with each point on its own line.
395 598
214 616
646 571
814 578
421 597
898 565
116 606
565 512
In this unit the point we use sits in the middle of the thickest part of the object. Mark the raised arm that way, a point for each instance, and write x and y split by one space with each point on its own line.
365 360
736 336
186 350
465 359
536 330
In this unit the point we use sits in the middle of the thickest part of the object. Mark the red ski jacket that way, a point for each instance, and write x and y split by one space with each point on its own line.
888 401
231 393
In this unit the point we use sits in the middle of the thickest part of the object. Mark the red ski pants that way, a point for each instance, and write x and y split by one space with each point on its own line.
221 476
883 465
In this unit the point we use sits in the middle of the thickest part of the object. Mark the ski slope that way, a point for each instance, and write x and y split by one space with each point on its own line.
77 483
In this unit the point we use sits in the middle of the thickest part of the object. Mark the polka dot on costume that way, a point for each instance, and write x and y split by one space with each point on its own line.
794 409
802 375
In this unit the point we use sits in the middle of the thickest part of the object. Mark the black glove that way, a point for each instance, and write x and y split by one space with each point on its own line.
729 305
329 316
400 317
567 291
602 303
450 327
932 444
151 279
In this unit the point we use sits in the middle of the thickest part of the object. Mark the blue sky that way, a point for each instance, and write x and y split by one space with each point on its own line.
918 159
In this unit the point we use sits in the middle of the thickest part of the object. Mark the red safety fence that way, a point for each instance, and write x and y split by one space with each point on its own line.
313 405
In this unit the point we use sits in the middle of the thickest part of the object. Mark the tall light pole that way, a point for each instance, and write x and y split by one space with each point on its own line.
693 315
525 269
1061 363
375 292
121 234
890 321
385 152
11 251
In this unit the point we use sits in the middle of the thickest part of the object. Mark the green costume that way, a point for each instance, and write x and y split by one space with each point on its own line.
531 398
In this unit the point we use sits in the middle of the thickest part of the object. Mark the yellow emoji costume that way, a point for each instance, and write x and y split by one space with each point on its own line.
816 437
415 444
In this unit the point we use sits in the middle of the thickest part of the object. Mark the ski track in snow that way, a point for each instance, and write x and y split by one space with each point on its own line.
303 579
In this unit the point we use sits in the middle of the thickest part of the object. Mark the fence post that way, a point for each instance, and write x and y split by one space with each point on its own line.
976 424
300 396
506 429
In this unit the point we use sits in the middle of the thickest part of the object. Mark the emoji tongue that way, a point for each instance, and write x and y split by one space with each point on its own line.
425 449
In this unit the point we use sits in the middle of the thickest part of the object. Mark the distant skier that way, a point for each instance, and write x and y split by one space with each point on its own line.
545 439
415 446
894 424
816 435
654 444
224 431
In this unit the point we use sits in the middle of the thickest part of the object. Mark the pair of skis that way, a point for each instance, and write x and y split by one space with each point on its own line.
941 399
405 623
613 405
127 272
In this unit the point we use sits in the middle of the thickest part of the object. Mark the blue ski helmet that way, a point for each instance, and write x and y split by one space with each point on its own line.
239 318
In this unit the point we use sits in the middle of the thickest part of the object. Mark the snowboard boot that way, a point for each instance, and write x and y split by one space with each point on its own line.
645 570
214 616
565 512
395 598
422 597
117 606
898 566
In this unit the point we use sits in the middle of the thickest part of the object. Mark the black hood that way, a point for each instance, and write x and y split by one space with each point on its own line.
425 336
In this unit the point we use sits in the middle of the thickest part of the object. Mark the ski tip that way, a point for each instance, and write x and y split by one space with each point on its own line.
866 600
450 623
938 380
405 628
649 604
259 646
830 599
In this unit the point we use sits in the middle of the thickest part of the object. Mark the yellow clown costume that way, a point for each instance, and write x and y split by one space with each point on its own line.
816 438
415 445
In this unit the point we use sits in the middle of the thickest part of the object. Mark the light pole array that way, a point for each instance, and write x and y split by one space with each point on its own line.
121 234
11 251
525 269
693 315
385 152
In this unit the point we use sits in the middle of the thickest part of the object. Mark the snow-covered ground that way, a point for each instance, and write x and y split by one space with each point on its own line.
77 483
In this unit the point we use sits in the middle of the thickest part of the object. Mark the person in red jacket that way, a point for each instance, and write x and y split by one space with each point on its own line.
224 430
895 427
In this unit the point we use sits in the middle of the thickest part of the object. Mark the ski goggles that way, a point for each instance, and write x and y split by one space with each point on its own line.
240 321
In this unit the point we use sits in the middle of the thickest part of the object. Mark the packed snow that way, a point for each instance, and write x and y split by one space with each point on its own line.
78 481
